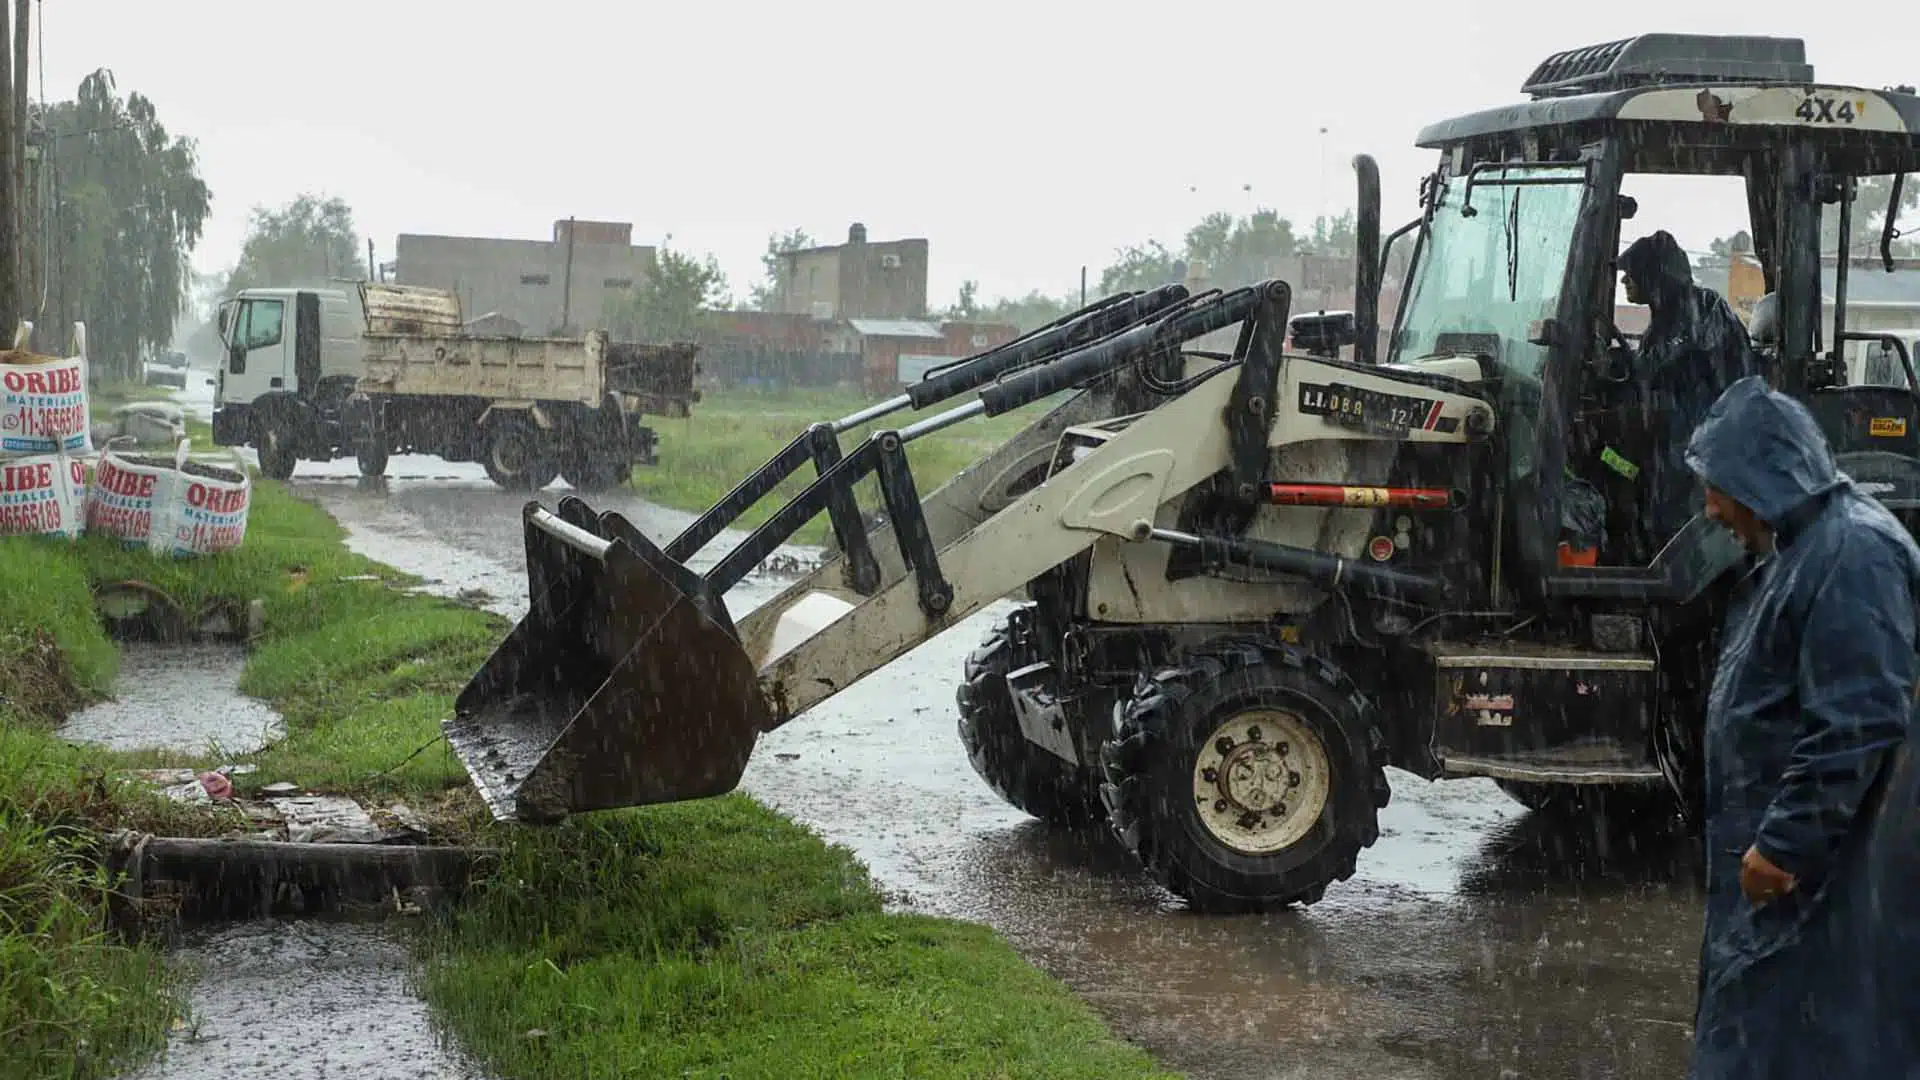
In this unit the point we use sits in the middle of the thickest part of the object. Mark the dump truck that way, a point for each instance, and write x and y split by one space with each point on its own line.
1257 577
318 374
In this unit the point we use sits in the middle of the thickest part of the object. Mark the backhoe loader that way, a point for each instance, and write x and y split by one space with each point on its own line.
1257 576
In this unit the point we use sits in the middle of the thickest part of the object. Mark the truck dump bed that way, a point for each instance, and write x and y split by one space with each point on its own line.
415 345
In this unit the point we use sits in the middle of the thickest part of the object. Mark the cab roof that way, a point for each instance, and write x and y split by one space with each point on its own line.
1690 78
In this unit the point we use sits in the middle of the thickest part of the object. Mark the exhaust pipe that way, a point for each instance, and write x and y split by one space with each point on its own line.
1366 256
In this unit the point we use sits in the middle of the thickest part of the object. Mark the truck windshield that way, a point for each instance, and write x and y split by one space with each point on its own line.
1495 260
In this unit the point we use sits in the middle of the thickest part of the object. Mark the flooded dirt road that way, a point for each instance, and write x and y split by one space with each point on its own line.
1475 941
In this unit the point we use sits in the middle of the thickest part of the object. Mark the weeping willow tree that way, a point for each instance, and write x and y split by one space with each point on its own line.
122 207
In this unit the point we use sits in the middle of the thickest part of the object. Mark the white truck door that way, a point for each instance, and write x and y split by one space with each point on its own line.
259 351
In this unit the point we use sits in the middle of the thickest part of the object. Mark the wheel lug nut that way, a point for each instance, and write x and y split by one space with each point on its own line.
1223 744
1293 779
1219 806
1253 733
1211 774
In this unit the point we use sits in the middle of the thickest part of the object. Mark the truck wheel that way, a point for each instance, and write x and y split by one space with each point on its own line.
517 457
277 455
1247 779
372 460
1028 777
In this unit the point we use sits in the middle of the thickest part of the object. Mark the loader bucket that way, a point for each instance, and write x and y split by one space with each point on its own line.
625 684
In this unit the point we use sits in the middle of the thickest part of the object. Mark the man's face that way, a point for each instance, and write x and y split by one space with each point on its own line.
1634 295
1733 515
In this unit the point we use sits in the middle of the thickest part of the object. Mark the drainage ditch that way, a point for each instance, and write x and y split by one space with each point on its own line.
322 995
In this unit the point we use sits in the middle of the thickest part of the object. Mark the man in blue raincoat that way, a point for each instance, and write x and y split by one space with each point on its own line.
1811 961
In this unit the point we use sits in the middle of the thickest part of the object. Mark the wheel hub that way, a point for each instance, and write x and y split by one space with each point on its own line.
510 455
1261 781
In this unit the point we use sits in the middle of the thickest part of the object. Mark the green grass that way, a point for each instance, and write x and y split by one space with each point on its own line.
704 939
717 939
102 400
732 433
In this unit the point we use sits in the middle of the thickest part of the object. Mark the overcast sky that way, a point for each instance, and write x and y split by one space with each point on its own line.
1022 139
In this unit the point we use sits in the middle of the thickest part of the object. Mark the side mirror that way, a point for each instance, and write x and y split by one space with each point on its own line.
1544 333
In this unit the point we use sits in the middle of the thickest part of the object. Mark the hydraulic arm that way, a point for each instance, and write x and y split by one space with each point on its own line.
628 682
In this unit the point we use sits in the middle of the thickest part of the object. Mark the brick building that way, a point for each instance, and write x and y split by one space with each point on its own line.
859 279
557 287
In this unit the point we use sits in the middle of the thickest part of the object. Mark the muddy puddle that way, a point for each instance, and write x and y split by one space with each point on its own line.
178 697
304 1000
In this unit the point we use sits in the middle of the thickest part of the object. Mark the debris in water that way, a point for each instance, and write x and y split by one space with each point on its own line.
327 818
217 786
190 792
407 819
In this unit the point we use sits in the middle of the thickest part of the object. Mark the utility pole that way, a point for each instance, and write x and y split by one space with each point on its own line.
22 238
10 216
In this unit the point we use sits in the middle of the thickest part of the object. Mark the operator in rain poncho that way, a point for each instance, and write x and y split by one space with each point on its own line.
1693 349
1810 965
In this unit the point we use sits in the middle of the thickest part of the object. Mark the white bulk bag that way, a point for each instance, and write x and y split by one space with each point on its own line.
43 405
44 495
176 507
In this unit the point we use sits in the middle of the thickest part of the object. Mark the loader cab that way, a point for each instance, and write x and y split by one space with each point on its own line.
1514 264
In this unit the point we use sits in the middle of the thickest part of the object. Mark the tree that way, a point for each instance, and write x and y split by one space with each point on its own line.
1141 266
1230 251
310 241
967 306
669 303
765 295
1331 237
1029 312
1722 249
126 206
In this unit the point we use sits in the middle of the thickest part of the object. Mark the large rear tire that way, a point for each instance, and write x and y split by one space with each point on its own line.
517 457
1246 780
1029 778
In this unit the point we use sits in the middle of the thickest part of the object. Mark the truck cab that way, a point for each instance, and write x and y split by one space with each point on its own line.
292 356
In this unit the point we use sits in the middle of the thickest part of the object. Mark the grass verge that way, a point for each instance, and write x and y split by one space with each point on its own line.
706 939
717 939
733 432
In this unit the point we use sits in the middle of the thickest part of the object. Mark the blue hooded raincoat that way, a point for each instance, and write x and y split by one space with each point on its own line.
1806 758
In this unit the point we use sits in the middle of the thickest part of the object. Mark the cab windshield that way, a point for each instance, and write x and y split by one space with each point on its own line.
1494 261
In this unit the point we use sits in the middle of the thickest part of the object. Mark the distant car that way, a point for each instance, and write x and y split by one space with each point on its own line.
167 369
